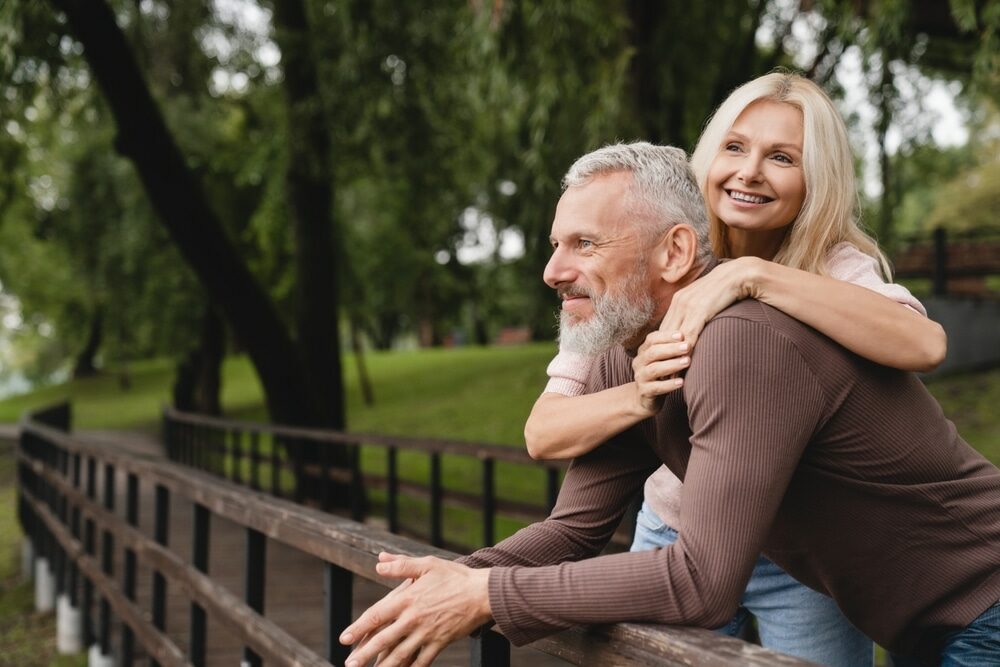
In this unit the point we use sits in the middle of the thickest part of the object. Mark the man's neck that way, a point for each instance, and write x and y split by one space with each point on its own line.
697 271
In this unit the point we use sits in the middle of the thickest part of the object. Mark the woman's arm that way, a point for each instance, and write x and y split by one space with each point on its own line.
562 426
867 323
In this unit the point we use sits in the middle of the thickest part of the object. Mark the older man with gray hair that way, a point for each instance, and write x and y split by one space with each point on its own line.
844 473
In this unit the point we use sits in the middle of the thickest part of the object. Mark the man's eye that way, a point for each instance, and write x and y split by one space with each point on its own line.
585 244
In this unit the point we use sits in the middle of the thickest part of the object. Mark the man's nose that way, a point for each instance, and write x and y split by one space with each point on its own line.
559 269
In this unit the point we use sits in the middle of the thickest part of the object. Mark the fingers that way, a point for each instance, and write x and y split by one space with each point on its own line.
385 642
401 567
378 615
661 370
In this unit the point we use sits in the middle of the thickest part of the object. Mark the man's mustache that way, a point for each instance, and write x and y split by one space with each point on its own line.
567 291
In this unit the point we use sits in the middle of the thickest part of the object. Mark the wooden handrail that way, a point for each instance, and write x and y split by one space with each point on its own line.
438 445
341 542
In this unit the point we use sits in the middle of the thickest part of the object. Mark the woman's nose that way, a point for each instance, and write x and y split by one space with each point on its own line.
749 171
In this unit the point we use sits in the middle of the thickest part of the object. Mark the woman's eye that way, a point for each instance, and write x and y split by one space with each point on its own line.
733 147
781 157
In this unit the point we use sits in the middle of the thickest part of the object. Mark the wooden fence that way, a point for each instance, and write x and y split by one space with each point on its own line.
957 264
257 455
63 517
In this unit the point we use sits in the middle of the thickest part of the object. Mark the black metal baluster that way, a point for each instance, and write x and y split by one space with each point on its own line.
88 547
338 591
160 533
253 583
132 516
357 485
392 496
489 502
490 650
275 470
436 532
62 460
255 460
74 526
107 558
199 559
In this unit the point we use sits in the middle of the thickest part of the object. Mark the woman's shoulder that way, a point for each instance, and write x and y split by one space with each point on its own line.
845 260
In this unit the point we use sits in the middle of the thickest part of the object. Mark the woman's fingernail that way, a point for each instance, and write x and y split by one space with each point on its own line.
678 382
684 347
347 638
684 361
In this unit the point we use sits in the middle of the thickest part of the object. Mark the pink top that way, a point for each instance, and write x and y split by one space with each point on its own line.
568 371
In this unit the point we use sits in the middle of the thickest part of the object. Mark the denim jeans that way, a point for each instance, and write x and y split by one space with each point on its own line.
791 618
975 645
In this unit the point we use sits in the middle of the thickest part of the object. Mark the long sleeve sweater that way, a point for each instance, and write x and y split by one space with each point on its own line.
843 472
568 371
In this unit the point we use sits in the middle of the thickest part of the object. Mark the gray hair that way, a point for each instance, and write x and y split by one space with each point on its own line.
664 191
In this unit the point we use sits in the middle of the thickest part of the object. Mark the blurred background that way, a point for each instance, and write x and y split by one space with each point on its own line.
335 212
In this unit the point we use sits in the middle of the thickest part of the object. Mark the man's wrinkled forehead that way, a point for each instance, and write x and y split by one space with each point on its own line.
597 208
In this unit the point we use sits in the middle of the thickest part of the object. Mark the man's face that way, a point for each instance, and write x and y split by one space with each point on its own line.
599 268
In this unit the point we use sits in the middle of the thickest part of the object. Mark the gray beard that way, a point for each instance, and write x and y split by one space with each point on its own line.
617 319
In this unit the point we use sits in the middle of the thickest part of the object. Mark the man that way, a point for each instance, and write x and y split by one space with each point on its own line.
844 473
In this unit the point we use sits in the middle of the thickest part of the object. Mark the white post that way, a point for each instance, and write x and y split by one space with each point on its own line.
69 627
97 659
45 586
27 559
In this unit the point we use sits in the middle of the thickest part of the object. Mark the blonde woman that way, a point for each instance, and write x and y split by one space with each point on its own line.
777 175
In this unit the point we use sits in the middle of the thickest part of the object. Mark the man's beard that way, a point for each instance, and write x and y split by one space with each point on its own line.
618 317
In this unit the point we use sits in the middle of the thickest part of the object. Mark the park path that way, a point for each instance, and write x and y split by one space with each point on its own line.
294 580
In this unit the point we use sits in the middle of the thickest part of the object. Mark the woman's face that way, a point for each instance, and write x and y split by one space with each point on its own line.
756 183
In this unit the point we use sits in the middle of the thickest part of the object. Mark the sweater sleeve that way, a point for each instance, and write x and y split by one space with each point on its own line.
753 404
849 264
568 372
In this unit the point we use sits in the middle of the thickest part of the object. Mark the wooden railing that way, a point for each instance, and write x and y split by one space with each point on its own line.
956 263
62 516
256 455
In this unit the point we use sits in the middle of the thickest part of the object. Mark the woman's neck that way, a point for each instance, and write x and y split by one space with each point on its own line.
755 244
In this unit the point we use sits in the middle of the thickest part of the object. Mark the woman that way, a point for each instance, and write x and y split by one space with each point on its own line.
777 174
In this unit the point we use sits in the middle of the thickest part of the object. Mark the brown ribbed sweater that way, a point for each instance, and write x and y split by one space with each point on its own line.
843 472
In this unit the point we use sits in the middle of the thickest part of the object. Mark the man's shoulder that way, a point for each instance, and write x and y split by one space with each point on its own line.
750 313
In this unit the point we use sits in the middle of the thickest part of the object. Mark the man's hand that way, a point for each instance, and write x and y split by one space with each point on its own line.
444 602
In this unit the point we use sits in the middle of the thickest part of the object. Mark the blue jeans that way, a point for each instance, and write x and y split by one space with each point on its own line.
791 618
975 645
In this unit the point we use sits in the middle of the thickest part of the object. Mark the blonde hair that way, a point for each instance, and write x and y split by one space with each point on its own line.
830 211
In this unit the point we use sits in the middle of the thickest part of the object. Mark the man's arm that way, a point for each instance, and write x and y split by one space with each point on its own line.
753 405
446 600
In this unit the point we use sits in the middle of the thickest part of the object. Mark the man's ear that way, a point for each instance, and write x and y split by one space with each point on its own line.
677 252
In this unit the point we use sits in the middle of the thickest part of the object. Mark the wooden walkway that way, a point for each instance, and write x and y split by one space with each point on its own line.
294 581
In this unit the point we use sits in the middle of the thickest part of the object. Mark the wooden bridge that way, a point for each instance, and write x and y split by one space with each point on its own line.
172 565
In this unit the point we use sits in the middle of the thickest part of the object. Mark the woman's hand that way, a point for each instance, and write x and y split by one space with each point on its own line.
656 365
694 305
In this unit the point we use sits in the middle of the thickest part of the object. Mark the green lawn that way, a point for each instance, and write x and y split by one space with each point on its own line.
471 393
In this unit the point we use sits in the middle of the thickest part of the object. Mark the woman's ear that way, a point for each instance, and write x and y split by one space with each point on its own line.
677 252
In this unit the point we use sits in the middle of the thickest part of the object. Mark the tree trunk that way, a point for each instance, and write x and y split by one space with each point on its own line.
84 366
309 186
198 382
294 395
